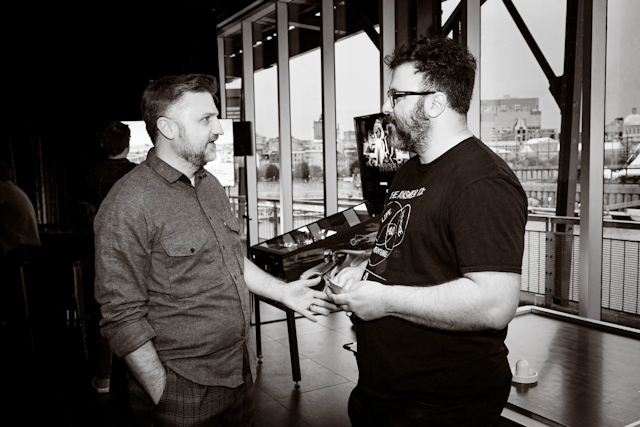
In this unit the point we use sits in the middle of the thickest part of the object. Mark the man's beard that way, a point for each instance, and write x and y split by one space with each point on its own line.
189 151
409 135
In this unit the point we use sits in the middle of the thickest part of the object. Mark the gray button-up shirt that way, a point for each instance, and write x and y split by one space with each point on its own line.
169 268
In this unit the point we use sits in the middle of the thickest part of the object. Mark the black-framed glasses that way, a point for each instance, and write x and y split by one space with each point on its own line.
395 94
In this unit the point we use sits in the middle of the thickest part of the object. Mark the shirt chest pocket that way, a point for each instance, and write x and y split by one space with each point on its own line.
187 259
232 238
231 222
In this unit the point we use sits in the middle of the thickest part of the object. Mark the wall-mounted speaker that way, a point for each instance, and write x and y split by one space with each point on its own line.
242 145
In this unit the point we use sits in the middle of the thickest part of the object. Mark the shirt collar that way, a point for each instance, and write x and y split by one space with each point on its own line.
162 168
168 172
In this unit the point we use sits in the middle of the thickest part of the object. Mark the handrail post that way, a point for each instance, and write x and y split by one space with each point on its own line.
275 218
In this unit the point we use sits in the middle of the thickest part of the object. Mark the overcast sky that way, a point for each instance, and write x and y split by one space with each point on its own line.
508 68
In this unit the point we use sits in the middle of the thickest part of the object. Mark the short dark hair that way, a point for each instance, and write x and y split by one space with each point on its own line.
447 66
160 95
114 137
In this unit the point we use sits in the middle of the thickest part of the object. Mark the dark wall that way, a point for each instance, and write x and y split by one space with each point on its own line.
69 70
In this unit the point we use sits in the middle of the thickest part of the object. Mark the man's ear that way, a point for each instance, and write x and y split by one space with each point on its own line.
166 128
435 105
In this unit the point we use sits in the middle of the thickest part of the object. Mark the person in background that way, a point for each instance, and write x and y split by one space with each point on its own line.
432 303
19 234
171 278
19 242
114 138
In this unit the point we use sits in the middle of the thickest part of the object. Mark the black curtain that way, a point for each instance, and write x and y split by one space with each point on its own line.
71 69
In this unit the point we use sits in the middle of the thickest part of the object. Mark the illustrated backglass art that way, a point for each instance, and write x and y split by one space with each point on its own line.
379 160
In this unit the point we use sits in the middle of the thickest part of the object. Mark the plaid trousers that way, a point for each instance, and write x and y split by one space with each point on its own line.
185 403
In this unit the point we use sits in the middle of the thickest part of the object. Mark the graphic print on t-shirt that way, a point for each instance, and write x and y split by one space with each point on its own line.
392 231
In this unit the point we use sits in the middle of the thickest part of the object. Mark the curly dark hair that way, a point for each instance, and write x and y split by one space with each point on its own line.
447 66
114 137
160 95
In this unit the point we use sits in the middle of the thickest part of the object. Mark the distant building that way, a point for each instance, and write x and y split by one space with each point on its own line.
508 150
623 136
347 144
631 126
310 152
262 150
613 130
318 132
297 152
512 119
540 148
317 129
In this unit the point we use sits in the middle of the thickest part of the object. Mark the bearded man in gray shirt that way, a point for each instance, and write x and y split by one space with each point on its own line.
171 277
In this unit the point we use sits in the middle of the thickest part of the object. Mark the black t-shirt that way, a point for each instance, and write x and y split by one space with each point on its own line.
464 212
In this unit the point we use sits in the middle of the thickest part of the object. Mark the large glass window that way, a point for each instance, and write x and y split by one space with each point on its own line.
520 119
621 246
357 64
307 150
233 110
233 76
267 130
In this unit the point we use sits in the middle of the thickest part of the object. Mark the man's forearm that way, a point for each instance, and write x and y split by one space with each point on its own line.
460 305
145 365
262 283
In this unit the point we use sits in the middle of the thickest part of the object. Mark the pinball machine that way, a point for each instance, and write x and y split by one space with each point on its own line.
318 249
346 238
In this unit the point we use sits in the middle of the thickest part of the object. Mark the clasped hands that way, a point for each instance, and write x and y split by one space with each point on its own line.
299 296
365 298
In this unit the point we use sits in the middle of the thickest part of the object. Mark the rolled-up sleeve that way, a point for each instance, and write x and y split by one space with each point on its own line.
122 264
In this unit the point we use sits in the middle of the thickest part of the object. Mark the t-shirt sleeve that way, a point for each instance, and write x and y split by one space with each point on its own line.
487 225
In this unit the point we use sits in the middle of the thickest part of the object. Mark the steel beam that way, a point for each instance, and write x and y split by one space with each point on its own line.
388 33
329 124
594 15
471 38
569 135
284 108
250 116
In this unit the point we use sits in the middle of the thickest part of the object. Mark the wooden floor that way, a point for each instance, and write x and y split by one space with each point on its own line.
54 388
588 371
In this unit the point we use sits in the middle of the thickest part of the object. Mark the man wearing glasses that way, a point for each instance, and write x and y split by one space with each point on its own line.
432 303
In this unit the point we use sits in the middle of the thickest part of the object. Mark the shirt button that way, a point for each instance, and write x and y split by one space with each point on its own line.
192 250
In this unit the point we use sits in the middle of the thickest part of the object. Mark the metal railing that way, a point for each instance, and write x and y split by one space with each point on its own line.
550 253
304 212
620 259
